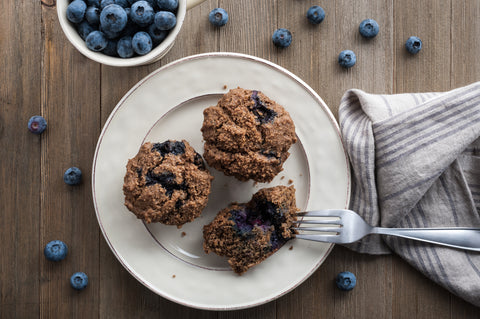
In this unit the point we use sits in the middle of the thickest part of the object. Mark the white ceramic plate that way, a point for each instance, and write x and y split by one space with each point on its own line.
168 104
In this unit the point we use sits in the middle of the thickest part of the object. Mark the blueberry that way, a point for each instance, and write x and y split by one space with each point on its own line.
113 18
94 3
368 28
165 20
111 48
142 43
37 124
130 29
282 38
218 17
169 147
122 3
93 15
347 58
166 179
76 11
167 5
346 280
72 176
96 41
156 34
124 47
413 45
79 280
104 3
261 111
84 29
142 13
110 34
55 250
315 14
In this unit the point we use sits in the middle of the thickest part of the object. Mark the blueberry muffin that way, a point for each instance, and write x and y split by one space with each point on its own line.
167 183
249 233
247 135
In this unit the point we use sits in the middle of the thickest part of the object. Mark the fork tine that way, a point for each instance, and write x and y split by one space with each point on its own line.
320 229
323 238
319 221
322 213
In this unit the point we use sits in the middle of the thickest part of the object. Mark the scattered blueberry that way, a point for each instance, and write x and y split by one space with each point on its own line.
315 14
156 34
79 280
282 38
113 18
142 43
72 176
142 13
55 250
96 41
76 11
165 20
218 17
167 5
93 15
346 280
347 58
368 28
84 29
413 45
124 47
37 124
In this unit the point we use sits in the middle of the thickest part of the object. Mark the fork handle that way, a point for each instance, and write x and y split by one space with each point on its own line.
457 237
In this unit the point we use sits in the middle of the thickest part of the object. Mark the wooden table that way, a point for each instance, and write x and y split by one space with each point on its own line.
42 73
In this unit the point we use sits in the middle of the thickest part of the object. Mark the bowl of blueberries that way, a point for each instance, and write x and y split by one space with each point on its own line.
123 32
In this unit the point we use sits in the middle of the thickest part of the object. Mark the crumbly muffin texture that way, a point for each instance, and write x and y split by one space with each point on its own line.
167 183
247 135
251 232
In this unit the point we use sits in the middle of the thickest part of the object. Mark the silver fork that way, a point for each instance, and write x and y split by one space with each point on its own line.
345 226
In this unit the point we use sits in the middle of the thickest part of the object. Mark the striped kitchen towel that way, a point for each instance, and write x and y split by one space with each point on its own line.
415 162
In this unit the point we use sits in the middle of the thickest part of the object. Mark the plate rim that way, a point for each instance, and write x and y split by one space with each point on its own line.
273 65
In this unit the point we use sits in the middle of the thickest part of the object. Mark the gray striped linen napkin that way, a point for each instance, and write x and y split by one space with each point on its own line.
415 161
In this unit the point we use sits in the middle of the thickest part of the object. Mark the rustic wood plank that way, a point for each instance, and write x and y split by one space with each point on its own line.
20 174
70 97
429 70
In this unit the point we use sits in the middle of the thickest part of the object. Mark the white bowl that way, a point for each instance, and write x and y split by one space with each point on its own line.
156 54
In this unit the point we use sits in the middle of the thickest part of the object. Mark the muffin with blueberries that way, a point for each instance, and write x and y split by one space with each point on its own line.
167 183
251 232
247 135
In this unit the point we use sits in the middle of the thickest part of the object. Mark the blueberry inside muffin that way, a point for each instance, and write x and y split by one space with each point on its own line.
249 233
167 182
247 135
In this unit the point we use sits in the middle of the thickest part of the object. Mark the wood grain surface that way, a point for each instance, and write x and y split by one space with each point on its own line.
42 73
